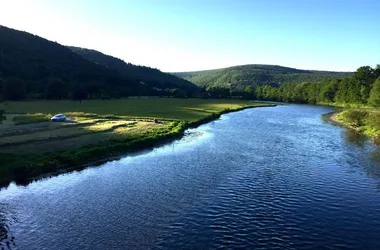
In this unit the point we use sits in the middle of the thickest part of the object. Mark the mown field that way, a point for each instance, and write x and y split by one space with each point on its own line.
172 109
31 145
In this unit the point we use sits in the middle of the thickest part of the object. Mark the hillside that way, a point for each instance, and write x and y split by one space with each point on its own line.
33 67
32 63
151 77
256 75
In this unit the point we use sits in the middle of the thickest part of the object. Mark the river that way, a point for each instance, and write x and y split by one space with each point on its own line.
264 178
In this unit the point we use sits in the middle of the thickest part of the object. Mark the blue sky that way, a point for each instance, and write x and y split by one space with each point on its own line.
179 35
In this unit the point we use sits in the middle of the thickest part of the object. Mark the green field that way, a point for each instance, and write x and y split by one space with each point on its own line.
171 109
31 145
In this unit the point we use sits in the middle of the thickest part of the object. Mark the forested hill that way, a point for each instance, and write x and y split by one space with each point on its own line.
152 77
33 67
238 77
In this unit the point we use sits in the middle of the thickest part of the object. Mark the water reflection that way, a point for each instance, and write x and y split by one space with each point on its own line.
373 170
353 137
7 240
270 178
370 161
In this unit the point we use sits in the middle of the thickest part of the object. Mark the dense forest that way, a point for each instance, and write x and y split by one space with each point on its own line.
362 88
238 77
33 67
149 76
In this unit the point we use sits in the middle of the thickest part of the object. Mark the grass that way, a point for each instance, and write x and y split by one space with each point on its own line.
168 109
31 118
31 146
364 120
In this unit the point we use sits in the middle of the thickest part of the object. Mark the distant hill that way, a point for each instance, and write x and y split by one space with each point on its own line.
147 75
256 75
33 67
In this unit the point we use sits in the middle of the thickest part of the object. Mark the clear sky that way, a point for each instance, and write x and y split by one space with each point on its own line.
186 35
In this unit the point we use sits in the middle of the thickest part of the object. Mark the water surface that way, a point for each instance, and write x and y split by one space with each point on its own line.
264 178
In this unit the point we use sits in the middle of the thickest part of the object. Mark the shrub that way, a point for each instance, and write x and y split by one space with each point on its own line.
355 117
374 120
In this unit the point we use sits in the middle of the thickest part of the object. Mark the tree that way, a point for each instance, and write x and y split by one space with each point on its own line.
364 74
14 88
218 92
364 77
2 116
79 94
329 90
2 112
57 89
374 96
377 71
178 93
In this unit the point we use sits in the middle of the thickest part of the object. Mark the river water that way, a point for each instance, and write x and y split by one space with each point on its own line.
264 178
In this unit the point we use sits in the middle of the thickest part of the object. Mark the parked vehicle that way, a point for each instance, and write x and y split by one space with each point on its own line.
58 118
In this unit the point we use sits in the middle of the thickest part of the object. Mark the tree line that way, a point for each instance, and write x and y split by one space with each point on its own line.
238 77
363 88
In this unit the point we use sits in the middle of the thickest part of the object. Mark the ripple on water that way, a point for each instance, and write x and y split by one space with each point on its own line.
271 178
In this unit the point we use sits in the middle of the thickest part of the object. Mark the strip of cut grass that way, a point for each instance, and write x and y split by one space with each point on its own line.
159 108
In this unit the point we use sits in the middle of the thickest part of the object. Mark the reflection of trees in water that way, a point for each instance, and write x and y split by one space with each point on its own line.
353 137
6 239
372 166
374 169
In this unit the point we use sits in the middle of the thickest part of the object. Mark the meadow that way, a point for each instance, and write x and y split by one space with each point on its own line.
31 145
160 108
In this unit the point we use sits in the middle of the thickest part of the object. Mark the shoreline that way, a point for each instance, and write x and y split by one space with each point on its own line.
114 152
333 119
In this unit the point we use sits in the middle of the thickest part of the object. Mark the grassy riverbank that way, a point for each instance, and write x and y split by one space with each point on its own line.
363 119
31 146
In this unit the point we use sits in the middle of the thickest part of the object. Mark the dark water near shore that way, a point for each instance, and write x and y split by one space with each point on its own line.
265 178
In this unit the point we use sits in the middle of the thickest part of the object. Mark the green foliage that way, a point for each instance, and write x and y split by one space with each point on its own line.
374 97
365 74
256 75
373 125
218 92
2 116
14 88
178 93
355 117
149 77
328 91
31 118
36 61
373 120
57 89
79 94
347 91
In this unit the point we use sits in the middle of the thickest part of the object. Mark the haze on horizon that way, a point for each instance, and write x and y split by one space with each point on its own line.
174 36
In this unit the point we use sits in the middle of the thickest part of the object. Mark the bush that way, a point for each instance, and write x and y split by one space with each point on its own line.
374 120
355 117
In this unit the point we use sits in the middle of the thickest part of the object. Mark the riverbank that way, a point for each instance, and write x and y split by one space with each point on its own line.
362 120
124 135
